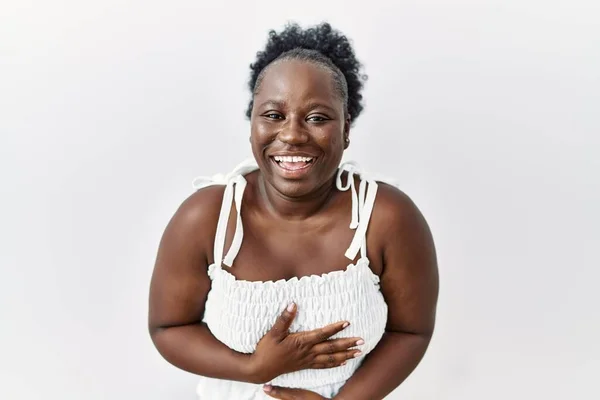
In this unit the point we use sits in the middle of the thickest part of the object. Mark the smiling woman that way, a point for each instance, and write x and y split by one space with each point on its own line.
308 292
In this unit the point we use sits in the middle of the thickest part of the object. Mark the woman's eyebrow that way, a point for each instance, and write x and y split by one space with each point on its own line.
272 103
316 104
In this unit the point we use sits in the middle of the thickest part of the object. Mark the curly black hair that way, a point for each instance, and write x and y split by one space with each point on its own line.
321 45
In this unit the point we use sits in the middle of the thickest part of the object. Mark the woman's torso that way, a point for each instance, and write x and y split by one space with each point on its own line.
263 259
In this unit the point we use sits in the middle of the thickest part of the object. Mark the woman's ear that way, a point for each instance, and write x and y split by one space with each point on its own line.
347 132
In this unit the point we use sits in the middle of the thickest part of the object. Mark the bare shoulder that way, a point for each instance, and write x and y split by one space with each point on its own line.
202 204
394 210
196 218
401 230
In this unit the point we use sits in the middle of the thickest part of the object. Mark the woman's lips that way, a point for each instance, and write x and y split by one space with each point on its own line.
293 169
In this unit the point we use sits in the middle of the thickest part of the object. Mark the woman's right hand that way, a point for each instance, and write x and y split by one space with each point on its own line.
280 352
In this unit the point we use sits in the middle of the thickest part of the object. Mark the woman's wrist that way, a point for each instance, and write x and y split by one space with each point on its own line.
250 370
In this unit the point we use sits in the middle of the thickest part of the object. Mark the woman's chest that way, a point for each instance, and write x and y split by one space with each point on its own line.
271 251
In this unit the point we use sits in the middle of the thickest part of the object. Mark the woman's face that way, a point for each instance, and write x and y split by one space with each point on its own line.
298 127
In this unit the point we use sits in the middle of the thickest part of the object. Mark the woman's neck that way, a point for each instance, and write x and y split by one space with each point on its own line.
295 208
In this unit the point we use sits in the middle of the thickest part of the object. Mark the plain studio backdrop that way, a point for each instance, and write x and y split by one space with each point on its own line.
486 112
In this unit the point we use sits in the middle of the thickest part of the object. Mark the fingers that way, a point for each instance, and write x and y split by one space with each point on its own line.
336 345
281 327
323 361
290 394
322 334
278 393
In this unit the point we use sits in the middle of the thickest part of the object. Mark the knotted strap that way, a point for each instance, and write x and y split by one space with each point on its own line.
235 184
362 205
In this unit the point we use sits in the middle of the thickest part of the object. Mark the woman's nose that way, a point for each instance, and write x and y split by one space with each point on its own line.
293 132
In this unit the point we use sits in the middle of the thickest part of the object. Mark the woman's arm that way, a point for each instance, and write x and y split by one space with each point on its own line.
178 292
409 284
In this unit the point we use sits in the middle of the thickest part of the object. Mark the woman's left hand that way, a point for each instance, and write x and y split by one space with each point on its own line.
291 394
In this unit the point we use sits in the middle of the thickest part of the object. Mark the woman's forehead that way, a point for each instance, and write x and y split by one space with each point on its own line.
298 79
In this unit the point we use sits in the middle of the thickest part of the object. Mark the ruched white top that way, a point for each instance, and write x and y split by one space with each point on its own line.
239 313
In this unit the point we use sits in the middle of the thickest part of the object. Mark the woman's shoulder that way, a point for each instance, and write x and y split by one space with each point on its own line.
394 212
399 228
391 201
203 205
198 214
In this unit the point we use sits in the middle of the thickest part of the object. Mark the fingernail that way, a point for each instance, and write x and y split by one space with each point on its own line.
291 307
345 325
267 388
358 354
360 342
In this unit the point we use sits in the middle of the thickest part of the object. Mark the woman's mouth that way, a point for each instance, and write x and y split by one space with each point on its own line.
293 166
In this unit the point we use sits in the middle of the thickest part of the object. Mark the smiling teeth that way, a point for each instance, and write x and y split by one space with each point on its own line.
292 159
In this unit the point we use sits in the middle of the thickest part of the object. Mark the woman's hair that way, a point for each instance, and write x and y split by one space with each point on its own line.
320 45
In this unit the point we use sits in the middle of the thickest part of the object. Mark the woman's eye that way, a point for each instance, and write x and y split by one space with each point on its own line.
317 118
273 116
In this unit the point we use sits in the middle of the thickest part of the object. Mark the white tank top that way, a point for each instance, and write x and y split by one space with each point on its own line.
239 313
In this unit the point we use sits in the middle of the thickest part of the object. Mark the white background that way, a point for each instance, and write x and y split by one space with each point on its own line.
486 112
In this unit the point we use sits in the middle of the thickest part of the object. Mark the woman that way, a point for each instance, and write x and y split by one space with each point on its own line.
268 283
